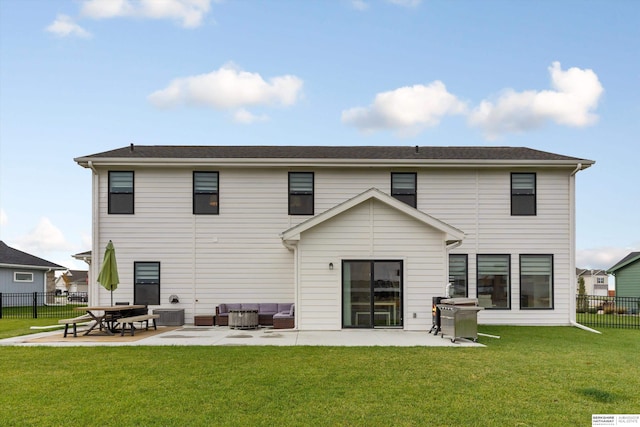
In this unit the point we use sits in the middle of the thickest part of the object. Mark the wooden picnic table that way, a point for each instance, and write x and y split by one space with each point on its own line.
107 320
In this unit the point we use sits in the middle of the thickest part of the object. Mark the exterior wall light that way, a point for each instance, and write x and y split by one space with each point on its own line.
330 266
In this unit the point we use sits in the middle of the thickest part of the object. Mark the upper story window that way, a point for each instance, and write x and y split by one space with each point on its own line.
404 187
523 194
205 193
301 193
600 280
120 192
146 283
22 277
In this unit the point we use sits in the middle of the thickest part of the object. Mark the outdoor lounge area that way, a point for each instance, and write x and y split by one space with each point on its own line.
278 315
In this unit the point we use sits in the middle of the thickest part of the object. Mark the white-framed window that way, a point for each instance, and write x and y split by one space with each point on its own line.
600 280
22 276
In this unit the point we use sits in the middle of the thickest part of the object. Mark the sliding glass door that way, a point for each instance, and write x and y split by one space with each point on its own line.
371 294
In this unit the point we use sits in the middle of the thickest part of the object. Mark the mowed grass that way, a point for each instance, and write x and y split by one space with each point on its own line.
17 327
531 376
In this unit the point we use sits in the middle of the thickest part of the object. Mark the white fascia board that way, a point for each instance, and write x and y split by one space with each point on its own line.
290 162
31 267
293 234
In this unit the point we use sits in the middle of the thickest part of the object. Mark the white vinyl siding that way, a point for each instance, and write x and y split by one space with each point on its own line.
238 255
371 231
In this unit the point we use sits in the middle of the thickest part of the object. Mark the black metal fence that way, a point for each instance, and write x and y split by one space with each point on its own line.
608 312
33 305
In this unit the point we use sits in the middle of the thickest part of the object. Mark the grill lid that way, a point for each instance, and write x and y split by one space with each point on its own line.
460 301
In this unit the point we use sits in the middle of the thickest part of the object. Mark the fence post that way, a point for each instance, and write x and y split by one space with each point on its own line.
35 305
0 305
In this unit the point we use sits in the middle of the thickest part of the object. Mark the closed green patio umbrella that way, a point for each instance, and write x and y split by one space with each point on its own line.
108 276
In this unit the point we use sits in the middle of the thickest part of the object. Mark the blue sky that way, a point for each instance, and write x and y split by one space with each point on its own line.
81 77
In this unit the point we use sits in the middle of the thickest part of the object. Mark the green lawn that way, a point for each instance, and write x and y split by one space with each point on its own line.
532 376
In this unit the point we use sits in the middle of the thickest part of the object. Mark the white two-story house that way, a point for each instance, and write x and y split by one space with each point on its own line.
355 236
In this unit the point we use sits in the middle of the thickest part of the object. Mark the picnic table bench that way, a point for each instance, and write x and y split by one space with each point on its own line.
124 321
74 321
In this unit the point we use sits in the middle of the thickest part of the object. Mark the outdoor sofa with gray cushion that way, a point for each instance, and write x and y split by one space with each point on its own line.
266 311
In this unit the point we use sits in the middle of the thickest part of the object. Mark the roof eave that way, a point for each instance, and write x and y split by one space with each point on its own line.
305 162
620 265
32 267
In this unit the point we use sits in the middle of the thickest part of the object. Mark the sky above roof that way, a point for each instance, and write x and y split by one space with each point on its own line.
81 77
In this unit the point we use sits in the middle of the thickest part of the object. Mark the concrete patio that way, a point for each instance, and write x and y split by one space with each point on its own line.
218 336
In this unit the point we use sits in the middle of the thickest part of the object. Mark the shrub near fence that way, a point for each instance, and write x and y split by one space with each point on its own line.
611 312
33 305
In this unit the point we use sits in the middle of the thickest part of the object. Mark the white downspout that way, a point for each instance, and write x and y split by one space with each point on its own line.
95 233
45 280
572 257
572 250
586 328
296 280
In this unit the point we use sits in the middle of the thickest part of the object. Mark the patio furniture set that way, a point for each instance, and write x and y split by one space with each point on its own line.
252 315
120 318
111 319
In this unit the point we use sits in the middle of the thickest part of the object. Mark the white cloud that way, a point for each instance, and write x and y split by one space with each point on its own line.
245 117
64 26
407 110
574 97
359 5
189 13
4 219
85 241
406 3
600 258
229 89
45 237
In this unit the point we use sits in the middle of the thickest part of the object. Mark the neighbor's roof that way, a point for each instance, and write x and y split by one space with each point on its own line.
591 272
76 276
10 257
136 154
632 257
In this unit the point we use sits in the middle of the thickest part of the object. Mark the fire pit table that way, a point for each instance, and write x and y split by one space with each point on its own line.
243 319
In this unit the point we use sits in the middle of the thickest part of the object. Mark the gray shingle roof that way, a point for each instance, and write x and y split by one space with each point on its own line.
11 256
624 261
328 152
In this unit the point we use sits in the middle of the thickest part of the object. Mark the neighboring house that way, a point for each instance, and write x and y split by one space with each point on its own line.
21 272
596 282
73 281
355 236
627 274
